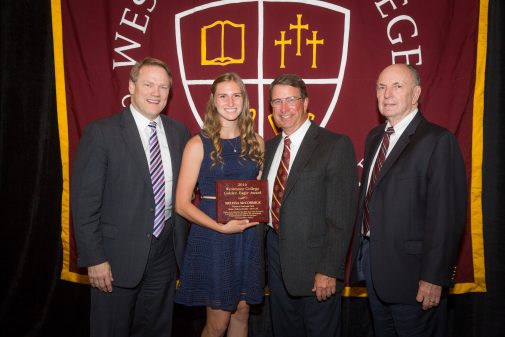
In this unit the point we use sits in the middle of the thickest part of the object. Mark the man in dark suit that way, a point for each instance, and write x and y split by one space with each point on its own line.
313 185
411 213
123 189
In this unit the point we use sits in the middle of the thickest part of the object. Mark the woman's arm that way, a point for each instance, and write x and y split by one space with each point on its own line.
190 167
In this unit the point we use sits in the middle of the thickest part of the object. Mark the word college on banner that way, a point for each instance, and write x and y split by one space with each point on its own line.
338 47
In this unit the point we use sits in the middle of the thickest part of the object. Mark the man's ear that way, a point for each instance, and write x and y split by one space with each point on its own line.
305 104
417 94
131 87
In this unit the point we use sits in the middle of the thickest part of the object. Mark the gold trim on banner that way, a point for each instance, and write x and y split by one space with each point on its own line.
479 270
476 223
61 105
354 292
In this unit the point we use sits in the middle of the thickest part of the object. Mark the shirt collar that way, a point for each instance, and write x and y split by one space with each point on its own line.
141 120
402 125
297 136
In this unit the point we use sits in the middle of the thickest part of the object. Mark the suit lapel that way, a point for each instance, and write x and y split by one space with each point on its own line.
376 140
303 155
400 146
173 146
271 148
131 136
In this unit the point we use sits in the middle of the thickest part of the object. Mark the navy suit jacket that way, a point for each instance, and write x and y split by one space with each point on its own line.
112 198
417 211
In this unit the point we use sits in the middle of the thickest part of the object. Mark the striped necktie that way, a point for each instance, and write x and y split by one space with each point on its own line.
381 157
157 179
280 184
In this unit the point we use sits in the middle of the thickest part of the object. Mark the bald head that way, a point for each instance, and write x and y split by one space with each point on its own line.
398 91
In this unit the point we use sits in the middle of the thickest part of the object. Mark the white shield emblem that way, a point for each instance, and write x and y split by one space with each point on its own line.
260 40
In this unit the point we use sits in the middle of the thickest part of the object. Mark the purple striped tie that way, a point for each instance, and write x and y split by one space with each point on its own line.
157 179
375 174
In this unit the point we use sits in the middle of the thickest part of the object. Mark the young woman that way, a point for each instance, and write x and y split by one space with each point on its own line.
221 268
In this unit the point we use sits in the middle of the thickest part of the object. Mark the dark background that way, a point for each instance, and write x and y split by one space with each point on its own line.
35 302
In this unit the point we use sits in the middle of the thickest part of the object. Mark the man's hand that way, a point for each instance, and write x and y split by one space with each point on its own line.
100 276
324 287
428 294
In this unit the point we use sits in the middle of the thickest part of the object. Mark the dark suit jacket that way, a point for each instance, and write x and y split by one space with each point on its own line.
317 209
417 210
112 197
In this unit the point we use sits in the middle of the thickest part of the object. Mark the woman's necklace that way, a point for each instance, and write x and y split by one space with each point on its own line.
232 145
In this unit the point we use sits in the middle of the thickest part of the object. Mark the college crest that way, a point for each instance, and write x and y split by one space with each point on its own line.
260 40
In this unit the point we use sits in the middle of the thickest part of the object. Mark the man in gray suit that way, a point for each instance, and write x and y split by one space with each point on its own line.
313 183
122 192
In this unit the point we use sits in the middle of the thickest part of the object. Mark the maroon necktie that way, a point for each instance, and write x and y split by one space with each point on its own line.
280 184
375 174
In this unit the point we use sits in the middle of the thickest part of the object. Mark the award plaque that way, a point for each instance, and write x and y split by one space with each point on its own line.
242 199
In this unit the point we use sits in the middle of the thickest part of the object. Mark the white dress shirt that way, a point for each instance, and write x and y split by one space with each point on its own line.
296 140
393 139
145 132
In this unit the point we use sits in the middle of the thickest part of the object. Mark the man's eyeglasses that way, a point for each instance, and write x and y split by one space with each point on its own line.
288 100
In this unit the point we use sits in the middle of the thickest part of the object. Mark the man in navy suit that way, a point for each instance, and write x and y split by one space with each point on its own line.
131 243
411 214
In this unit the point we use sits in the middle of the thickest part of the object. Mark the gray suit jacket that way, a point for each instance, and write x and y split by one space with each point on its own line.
318 208
112 199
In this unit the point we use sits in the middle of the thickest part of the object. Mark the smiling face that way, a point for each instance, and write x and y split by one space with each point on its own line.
229 101
149 93
397 93
292 114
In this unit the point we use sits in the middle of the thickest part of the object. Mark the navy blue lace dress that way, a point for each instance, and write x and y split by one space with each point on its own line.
219 270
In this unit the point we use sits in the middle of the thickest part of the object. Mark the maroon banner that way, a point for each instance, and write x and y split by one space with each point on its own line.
338 47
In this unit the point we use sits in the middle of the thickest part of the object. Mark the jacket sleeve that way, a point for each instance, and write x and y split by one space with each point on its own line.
341 198
87 184
445 212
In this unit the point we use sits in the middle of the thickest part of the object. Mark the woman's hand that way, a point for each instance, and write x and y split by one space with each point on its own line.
235 226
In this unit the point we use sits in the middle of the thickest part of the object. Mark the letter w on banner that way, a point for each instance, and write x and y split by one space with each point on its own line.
338 47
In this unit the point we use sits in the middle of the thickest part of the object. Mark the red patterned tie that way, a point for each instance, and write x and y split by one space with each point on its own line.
375 174
280 184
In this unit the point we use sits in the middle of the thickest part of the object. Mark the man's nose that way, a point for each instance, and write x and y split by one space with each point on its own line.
284 105
387 92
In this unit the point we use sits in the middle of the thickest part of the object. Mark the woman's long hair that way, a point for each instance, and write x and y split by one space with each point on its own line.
212 125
